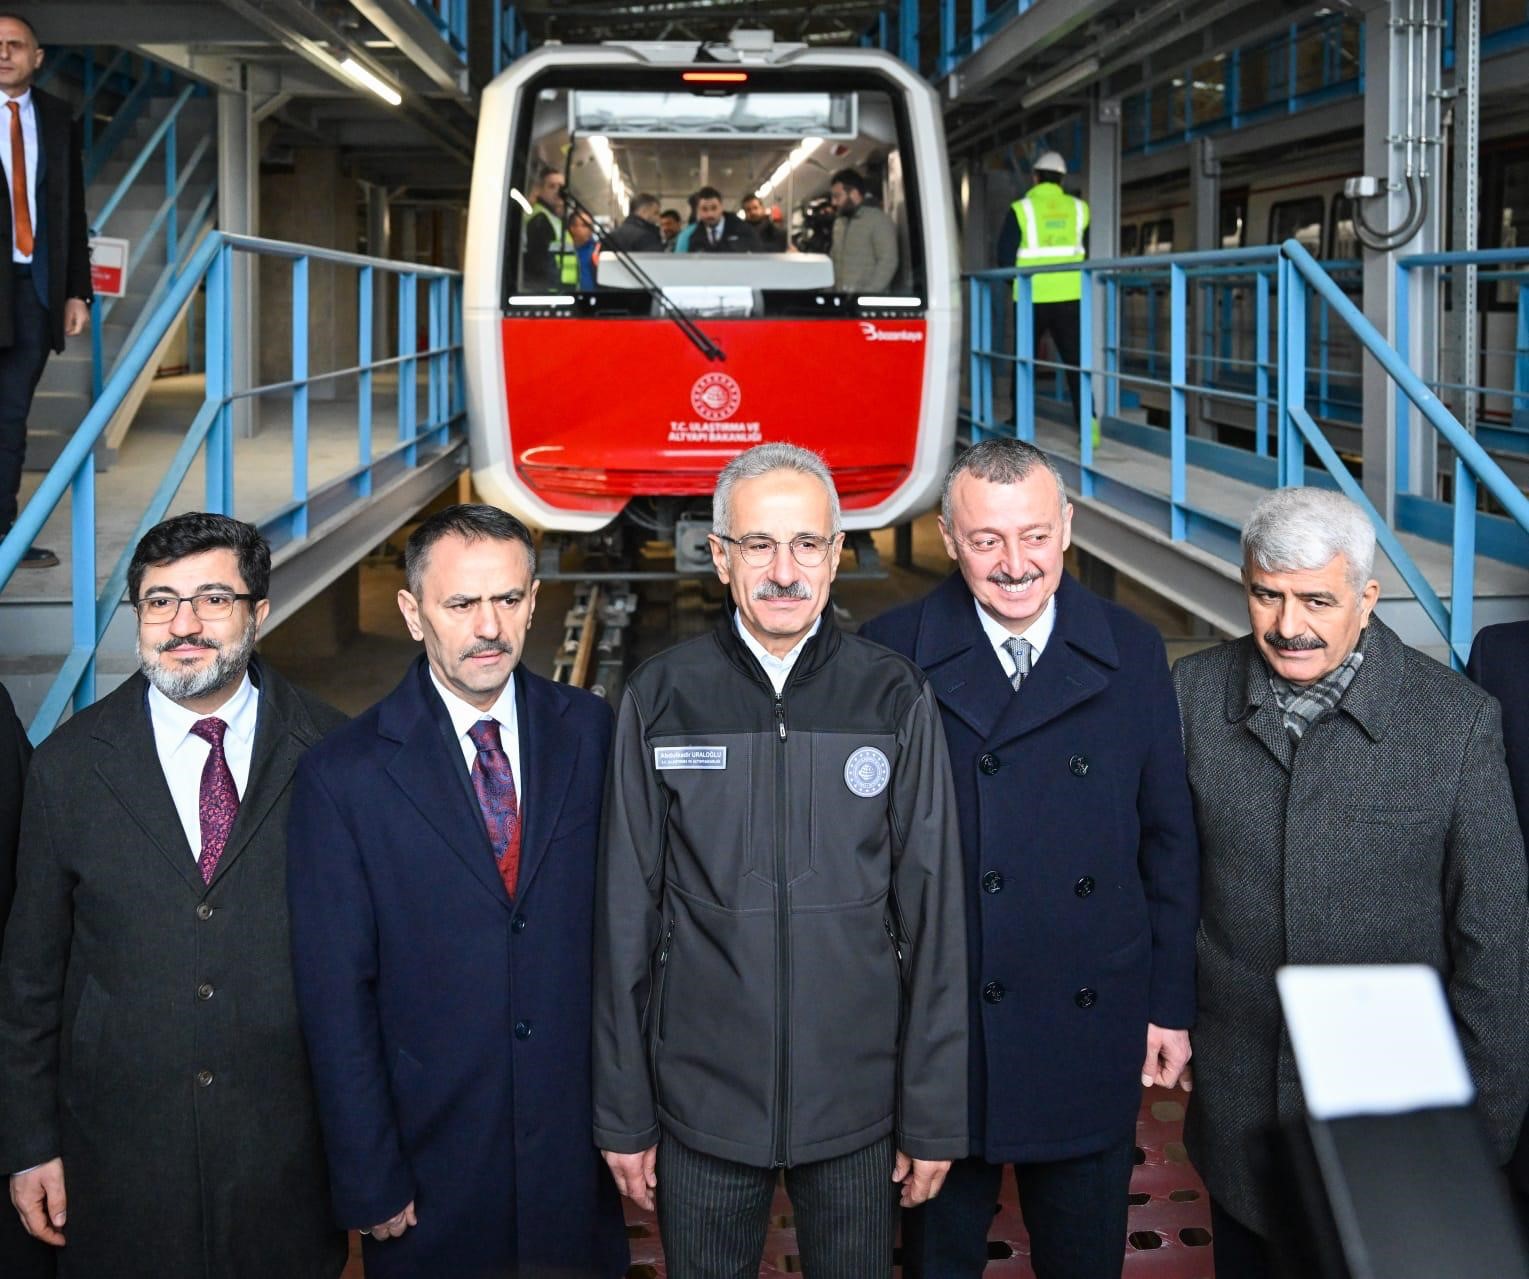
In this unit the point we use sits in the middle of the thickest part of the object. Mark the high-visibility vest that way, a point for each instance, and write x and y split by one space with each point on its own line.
1051 226
566 255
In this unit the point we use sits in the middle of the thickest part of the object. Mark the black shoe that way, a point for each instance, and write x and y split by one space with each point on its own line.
38 557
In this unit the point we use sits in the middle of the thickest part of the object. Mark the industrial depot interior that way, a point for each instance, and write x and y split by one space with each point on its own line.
316 308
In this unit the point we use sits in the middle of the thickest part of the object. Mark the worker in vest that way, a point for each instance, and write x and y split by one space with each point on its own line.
1046 226
551 264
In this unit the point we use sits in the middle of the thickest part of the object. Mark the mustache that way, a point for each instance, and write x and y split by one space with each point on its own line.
188 641
487 646
1293 643
775 591
999 578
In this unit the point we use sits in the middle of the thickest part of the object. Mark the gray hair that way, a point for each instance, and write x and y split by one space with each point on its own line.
1304 528
761 460
1000 461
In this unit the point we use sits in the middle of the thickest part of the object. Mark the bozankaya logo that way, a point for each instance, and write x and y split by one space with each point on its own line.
715 396
873 334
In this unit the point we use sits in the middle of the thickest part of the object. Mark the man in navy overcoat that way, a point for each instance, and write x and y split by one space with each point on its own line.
1082 870
442 860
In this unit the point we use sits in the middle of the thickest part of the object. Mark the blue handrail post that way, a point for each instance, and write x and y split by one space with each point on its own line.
1085 405
82 575
1024 359
1261 364
907 32
97 349
1178 495
974 303
1462 575
1322 379
1406 297
1112 344
364 326
219 460
439 367
408 344
458 358
1521 357
1292 453
171 189
300 396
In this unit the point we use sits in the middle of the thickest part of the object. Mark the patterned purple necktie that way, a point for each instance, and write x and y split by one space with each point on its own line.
495 784
219 803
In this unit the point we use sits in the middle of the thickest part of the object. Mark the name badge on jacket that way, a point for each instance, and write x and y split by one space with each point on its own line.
689 757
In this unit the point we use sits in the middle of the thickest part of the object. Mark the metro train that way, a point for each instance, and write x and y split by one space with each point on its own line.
607 412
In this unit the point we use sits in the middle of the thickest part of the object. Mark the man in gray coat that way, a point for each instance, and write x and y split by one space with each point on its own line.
156 1112
864 249
1353 807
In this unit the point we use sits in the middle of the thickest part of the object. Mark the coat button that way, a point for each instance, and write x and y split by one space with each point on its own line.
204 911
204 1078
518 924
1084 886
1086 998
992 882
994 992
522 1030
988 763
204 991
1079 765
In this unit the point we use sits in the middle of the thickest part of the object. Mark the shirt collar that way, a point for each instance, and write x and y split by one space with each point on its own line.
240 712
767 659
1037 633
464 715
24 101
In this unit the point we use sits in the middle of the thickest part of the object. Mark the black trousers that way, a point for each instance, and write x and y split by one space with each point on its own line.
713 1213
21 366
1074 1209
21 1256
1060 321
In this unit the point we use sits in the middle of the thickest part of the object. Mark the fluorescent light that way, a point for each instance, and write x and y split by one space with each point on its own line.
543 299
1061 82
521 200
788 166
368 79
875 300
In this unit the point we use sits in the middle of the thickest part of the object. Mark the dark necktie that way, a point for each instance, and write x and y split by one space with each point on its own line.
21 211
495 785
219 803
1019 649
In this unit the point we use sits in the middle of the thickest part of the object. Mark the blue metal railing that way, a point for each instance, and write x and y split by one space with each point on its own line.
1289 282
449 17
510 37
211 435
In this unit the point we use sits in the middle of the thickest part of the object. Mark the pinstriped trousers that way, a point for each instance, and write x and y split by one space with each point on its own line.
713 1213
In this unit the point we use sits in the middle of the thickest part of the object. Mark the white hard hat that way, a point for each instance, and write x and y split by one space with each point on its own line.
1049 162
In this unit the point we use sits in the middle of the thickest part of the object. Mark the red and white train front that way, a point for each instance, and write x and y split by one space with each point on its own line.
587 396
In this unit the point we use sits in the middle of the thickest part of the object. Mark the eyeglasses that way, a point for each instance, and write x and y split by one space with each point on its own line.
210 606
807 550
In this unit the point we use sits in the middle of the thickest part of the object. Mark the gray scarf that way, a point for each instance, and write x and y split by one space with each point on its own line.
1303 707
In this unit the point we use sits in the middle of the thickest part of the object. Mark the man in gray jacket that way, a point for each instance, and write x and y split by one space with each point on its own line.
864 249
1353 807
780 953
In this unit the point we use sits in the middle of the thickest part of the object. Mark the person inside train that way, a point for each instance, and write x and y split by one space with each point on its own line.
549 264
669 225
715 232
641 232
681 242
585 250
864 248
771 238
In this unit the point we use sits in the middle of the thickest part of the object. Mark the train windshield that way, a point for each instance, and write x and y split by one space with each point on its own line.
784 195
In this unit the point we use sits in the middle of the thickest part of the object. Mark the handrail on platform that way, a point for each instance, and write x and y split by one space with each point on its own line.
211 433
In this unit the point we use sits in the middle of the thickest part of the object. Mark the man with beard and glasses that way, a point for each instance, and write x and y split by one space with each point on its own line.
1354 808
156 1111
1081 870
442 887
780 961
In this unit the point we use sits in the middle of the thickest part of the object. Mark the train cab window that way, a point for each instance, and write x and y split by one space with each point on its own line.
1342 243
749 168
1157 236
1299 220
1129 236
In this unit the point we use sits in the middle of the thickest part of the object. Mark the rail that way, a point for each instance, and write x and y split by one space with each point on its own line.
210 435
1288 283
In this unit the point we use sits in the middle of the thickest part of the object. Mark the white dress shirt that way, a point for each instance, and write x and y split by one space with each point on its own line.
182 754
778 669
1037 633
464 715
29 146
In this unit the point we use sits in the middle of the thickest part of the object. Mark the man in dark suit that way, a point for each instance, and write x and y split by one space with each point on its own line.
156 1112
45 266
21 1256
715 232
442 887
1081 870
1500 664
1353 808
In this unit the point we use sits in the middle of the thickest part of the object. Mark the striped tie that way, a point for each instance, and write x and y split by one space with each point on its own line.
1019 649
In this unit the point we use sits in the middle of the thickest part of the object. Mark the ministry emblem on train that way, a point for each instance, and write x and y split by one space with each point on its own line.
715 396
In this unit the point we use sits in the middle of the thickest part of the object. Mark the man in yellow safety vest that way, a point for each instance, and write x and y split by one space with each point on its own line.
551 264
1046 226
